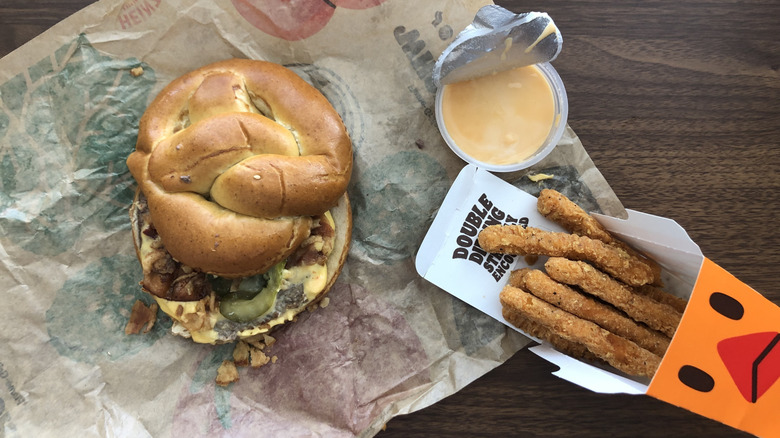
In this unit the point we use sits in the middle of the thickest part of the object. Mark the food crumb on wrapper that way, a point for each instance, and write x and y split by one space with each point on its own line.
540 177
141 317
245 353
241 354
227 373
137 71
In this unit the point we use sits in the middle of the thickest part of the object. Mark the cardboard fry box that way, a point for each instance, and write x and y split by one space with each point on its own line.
724 360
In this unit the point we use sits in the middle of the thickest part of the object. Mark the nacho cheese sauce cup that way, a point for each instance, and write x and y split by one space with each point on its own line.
506 121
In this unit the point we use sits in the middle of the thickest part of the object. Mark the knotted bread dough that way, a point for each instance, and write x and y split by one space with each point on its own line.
234 159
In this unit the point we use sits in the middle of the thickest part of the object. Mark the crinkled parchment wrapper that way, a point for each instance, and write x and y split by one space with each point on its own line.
389 343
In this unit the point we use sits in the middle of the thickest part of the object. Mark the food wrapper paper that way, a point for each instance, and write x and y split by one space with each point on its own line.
388 343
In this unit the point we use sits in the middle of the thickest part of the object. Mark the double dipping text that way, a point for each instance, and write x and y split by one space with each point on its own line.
482 214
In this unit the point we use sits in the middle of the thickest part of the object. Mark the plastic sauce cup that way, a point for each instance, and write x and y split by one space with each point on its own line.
556 129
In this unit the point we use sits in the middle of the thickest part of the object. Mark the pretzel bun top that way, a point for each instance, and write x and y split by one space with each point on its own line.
234 159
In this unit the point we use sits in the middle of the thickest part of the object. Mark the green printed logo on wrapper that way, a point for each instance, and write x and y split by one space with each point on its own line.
5 422
203 380
87 319
394 204
475 328
66 126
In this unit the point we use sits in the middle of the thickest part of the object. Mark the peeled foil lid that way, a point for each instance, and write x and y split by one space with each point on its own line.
498 40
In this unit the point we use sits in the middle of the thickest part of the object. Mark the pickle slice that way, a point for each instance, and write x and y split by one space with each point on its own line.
247 303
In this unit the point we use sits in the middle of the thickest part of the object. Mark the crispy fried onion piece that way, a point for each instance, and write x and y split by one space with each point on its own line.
316 248
227 373
250 353
200 318
165 277
245 353
141 318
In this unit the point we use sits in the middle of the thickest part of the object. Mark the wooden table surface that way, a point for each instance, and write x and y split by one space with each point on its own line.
678 104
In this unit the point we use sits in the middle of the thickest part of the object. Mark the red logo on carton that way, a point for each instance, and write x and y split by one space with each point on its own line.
135 12
753 362
295 19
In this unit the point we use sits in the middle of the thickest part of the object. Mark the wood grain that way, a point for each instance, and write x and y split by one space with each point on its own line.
678 104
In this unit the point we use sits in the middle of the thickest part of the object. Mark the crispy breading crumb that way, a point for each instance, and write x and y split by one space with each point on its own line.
256 344
274 359
324 303
258 358
137 71
250 353
241 353
227 373
141 316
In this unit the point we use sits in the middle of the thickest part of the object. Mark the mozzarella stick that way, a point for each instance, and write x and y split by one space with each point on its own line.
657 316
662 296
617 351
607 317
514 239
558 208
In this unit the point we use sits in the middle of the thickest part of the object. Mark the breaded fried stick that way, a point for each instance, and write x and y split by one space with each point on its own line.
558 208
657 316
573 349
607 317
617 351
662 296
514 239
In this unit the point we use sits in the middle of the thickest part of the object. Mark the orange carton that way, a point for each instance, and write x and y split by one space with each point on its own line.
724 360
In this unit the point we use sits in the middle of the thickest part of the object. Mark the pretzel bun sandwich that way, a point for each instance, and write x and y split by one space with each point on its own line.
241 219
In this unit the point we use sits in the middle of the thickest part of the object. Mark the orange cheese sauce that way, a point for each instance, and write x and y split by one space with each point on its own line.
501 118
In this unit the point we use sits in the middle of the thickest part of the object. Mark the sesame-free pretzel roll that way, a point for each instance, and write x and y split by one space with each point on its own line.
234 159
